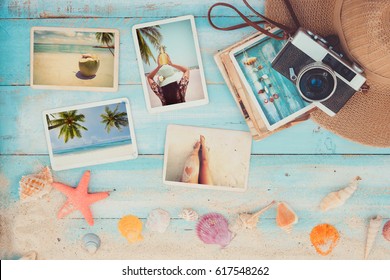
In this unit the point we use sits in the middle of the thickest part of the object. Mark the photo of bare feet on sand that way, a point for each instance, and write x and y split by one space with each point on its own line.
207 158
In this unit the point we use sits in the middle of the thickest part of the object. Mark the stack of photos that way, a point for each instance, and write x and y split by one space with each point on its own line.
206 158
170 64
275 97
90 134
69 58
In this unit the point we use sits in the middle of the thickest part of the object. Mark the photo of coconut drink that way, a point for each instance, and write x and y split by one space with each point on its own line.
170 64
80 59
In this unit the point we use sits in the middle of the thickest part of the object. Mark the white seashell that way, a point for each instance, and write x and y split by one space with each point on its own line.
32 255
35 186
336 199
158 220
373 229
91 242
249 221
189 214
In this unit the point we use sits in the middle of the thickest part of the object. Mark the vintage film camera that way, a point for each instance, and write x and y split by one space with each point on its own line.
320 74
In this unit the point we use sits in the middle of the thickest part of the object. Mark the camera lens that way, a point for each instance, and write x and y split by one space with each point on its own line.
316 82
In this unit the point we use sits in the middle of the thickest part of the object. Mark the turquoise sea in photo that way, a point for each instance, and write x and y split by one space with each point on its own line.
67 48
92 147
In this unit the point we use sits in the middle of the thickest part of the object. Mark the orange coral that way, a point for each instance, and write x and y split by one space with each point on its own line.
324 238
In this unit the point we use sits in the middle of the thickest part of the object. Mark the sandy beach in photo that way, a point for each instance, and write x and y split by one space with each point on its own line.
60 69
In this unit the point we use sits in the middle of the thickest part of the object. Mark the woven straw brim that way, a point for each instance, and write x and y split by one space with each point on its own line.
366 117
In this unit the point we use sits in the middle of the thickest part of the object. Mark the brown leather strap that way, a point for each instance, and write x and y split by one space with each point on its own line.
255 24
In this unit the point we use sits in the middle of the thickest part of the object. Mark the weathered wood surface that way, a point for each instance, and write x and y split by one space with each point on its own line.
299 165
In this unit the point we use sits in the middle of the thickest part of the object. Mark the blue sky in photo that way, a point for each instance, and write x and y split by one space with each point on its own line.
96 132
65 37
178 38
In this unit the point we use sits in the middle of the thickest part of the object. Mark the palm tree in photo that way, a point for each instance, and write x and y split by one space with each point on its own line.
154 36
105 38
114 119
68 122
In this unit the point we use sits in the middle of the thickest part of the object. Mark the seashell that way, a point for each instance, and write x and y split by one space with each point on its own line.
386 231
91 242
324 238
247 220
336 199
213 228
158 220
35 186
250 60
285 217
373 229
189 214
131 228
30 256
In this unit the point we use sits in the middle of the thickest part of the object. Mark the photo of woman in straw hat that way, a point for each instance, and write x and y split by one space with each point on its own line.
170 64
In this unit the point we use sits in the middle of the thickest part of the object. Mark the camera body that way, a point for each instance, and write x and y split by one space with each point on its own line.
321 75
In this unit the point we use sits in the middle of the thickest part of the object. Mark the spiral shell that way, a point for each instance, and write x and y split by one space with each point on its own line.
158 220
249 221
91 242
285 217
131 227
189 214
336 199
373 229
35 186
213 228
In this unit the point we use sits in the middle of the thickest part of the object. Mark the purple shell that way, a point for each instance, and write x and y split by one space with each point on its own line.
213 228
386 231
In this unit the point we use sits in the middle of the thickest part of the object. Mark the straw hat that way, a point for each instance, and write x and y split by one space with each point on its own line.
363 29
167 75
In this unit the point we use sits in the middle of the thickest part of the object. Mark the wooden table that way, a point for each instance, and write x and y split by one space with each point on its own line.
299 165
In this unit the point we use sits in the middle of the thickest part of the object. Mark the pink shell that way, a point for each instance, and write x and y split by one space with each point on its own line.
213 228
386 231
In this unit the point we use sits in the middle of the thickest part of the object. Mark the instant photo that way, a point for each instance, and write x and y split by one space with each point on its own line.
275 97
206 158
74 58
170 64
90 134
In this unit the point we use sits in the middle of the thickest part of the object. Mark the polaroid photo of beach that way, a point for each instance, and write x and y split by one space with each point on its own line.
74 58
171 67
90 134
207 158
275 97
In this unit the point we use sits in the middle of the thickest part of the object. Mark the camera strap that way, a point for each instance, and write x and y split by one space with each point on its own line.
287 31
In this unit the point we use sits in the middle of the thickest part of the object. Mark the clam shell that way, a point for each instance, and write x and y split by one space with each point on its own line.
131 227
285 217
324 238
35 186
189 214
386 231
213 228
373 229
158 220
91 242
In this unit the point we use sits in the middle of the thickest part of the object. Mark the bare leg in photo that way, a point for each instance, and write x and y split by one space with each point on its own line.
191 166
204 171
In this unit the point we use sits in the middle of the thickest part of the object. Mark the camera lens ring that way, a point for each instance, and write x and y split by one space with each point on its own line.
319 74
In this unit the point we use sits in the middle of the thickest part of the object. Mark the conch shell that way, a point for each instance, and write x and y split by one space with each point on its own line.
285 217
35 186
324 238
373 229
249 221
131 227
189 214
336 199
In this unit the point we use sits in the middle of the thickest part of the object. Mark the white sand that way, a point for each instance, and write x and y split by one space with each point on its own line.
101 155
60 69
194 90
229 154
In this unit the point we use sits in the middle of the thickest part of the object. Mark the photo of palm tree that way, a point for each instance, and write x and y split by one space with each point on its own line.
90 132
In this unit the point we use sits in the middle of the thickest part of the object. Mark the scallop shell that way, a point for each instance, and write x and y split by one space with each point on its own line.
336 199
285 217
91 242
373 229
324 238
158 220
30 256
386 231
131 227
247 220
35 186
189 214
213 228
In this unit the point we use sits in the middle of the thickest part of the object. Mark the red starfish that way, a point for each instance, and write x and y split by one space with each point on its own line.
79 198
